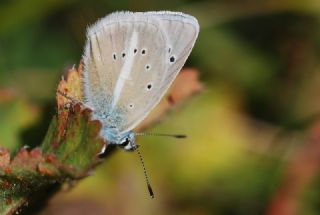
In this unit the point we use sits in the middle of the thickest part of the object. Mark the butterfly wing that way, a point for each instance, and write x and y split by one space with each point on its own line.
131 59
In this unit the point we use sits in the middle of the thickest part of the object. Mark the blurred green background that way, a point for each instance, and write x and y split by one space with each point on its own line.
253 145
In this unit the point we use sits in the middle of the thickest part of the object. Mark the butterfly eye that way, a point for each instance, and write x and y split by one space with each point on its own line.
125 142
131 106
147 67
135 51
169 50
123 54
143 51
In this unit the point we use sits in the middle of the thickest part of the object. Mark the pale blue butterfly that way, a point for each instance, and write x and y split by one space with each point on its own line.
130 61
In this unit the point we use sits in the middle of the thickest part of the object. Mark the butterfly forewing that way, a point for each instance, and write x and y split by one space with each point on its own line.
180 33
131 59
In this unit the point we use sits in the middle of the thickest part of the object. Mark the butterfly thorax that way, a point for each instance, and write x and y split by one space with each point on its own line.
111 133
110 120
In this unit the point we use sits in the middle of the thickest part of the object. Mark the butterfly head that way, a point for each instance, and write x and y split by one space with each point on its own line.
128 142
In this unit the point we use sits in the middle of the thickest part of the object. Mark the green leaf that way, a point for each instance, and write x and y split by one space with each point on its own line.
68 152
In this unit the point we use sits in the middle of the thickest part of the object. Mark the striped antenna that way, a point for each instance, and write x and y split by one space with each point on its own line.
145 173
179 136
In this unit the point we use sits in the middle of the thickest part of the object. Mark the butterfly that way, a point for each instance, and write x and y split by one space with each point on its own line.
130 60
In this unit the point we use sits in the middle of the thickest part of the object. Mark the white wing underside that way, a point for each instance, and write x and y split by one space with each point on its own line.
126 54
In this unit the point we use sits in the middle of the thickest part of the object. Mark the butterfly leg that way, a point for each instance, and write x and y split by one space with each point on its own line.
106 150
73 100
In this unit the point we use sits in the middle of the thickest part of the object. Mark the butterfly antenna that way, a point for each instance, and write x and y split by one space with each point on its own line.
179 136
68 97
73 100
145 174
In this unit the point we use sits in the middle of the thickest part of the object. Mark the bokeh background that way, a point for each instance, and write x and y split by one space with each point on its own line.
254 133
